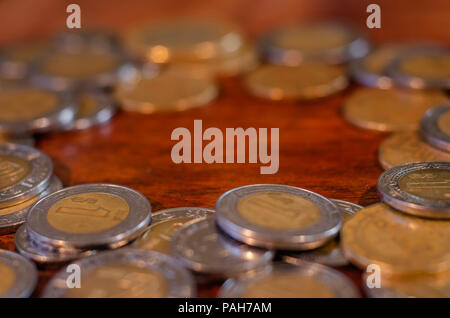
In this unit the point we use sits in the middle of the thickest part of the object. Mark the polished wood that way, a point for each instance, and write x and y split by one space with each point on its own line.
319 151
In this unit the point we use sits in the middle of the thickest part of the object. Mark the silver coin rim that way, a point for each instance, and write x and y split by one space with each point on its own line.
430 129
26 274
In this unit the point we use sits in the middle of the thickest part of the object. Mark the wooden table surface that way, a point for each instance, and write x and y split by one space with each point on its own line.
319 151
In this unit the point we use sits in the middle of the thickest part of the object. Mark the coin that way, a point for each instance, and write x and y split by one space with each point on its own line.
421 189
330 254
78 40
13 216
125 273
19 276
399 243
333 43
17 139
408 147
24 173
278 217
199 246
287 281
435 127
89 216
164 224
307 81
389 110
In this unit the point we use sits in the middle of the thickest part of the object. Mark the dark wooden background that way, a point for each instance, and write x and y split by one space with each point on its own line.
319 151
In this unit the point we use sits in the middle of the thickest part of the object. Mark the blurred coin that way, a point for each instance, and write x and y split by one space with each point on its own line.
89 216
389 110
78 40
17 139
287 281
399 243
278 217
125 273
435 127
13 216
421 189
164 224
330 254
24 173
333 43
307 81
408 147
18 275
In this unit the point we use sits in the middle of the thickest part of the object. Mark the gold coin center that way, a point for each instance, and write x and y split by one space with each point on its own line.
12 171
8 277
428 66
444 123
430 184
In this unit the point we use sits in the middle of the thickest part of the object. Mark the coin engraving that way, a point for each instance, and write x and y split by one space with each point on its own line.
431 184
7 275
12 170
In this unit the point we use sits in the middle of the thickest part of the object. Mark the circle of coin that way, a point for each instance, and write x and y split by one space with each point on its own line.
421 189
330 254
26 140
13 216
125 273
331 43
278 216
287 281
164 224
200 247
168 91
408 147
435 127
399 243
24 173
304 82
18 275
389 110
422 68
89 216
30 109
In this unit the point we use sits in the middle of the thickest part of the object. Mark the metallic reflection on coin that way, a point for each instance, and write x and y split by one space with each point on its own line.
408 147
330 254
421 189
278 217
435 127
125 273
164 224
18 275
288 281
399 243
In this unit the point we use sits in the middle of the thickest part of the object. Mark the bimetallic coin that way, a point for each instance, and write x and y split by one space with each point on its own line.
287 281
330 254
389 110
125 273
89 216
26 140
12 217
18 275
435 127
24 173
164 224
304 82
399 243
421 189
408 147
278 217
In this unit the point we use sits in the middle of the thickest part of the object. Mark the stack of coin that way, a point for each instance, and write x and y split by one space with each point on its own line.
26 176
80 220
18 275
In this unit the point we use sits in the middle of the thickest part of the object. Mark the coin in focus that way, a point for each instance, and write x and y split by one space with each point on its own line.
19 276
435 127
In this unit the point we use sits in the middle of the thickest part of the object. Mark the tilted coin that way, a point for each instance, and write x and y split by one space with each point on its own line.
17 139
164 224
278 216
89 216
421 189
327 42
24 173
399 243
389 110
13 216
307 81
199 246
408 147
330 254
435 127
18 275
288 281
125 273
